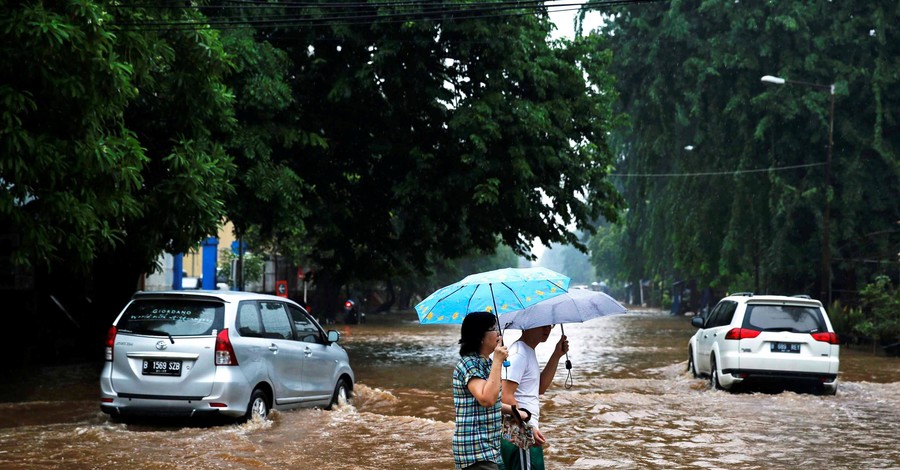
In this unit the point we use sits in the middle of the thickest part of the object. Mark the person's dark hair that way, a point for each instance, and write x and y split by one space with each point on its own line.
474 326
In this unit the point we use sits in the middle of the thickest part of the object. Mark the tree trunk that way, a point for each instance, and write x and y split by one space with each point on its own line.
391 298
326 300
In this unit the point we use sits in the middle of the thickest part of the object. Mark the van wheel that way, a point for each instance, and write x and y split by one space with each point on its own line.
341 395
714 375
258 408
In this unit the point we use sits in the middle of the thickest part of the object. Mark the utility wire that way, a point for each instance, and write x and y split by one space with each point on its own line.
443 12
714 173
264 5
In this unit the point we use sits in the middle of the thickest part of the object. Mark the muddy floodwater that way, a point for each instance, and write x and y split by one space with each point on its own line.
631 405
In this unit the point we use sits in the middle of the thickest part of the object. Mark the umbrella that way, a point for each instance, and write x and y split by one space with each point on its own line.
574 306
498 291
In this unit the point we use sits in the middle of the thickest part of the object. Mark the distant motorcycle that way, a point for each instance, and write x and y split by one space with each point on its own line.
352 315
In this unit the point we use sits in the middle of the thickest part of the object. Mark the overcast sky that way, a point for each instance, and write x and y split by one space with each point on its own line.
565 19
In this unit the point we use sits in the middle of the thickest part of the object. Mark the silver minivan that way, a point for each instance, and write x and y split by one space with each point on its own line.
225 353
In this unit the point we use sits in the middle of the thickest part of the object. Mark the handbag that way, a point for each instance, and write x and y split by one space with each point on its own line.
516 431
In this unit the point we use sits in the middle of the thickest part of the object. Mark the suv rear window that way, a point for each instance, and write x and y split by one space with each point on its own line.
173 317
792 318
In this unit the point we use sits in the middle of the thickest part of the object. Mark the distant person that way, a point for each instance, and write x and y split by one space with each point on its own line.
476 394
523 384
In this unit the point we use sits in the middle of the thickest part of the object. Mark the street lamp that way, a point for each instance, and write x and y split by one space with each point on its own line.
825 292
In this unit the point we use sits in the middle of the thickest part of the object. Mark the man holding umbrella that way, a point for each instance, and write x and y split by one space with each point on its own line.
523 383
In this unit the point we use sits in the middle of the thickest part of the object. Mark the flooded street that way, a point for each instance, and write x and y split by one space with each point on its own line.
631 405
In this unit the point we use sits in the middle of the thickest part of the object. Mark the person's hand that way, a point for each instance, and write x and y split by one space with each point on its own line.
539 438
500 353
562 347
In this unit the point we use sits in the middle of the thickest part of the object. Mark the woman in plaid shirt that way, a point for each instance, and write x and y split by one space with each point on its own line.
476 394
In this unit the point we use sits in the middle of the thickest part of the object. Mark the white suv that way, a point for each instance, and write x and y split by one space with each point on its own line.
225 353
750 339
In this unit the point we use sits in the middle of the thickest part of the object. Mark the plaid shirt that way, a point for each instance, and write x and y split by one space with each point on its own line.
477 434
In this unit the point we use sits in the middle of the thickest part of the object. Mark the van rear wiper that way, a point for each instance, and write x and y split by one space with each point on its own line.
155 333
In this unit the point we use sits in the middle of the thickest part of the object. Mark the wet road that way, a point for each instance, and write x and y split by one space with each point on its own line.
632 405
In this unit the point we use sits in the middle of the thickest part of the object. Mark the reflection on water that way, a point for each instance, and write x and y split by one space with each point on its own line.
632 405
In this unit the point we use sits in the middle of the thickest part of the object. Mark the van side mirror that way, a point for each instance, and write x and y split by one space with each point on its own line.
697 322
333 336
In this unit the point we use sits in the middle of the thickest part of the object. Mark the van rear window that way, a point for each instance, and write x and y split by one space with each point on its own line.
173 317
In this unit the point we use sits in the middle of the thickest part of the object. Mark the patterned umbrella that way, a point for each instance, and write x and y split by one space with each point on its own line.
499 291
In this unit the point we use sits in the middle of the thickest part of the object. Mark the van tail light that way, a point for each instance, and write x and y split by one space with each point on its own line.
110 342
741 333
224 352
826 337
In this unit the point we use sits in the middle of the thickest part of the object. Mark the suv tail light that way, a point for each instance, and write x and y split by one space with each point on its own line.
741 333
224 352
110 342
826 337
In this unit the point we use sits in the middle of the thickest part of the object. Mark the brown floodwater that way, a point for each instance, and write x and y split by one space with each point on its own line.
631 405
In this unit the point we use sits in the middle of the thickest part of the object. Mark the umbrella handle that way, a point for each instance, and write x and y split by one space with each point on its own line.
497 316
569 381
568 362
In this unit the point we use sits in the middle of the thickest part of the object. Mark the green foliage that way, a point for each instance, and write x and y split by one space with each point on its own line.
268 206
253 265
369 151
439 137
453 270
109 135
70 169
688 73
881 311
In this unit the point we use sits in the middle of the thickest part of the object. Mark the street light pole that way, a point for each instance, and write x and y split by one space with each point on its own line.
825 269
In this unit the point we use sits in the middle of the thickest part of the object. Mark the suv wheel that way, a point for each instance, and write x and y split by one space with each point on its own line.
692 368
258 408
341 394
714 375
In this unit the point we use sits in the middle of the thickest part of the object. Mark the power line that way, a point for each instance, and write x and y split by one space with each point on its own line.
361 15
714 173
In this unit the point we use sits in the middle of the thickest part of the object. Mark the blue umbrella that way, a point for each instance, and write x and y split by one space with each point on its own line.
499 291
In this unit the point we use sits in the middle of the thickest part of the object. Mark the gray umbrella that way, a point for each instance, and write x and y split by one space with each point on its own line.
575 306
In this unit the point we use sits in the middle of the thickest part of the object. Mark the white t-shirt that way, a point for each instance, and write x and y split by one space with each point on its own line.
525 370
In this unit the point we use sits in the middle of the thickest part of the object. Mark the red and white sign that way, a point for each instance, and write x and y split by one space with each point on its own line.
281 289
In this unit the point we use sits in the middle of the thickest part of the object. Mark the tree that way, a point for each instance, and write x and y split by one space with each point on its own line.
439 135
70 167
688 74
268 204
111 139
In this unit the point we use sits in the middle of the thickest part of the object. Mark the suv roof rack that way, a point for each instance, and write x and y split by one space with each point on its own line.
745 294
801 296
